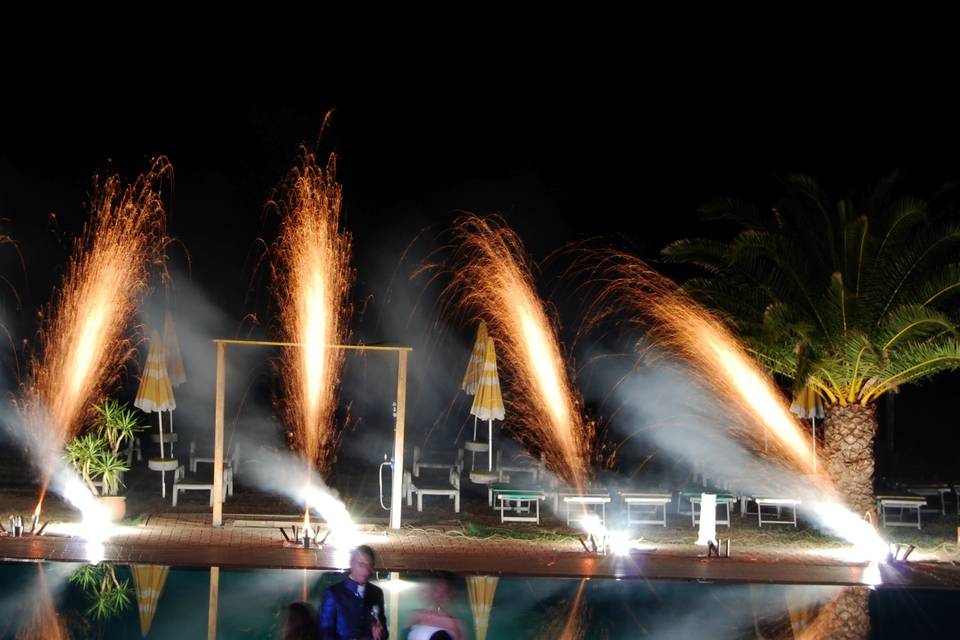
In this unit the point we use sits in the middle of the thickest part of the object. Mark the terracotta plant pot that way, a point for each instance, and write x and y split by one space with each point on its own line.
116 506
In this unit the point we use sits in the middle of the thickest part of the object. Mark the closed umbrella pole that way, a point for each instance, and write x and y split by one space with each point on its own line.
156 394
163 473
490 448
488 402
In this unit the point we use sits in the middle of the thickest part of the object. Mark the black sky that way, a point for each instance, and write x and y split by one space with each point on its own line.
627 161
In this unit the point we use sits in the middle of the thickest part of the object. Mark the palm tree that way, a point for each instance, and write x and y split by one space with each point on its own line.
854 297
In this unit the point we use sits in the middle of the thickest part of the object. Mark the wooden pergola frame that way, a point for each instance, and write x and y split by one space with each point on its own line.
396 497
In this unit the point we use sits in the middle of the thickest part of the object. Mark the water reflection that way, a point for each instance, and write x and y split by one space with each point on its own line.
38 601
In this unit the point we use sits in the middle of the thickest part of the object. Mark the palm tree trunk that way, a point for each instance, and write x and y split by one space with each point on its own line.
849 432
846 617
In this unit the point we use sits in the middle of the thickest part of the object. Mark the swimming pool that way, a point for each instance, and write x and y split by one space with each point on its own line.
250 604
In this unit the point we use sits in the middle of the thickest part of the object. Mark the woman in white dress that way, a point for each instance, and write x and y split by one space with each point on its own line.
435 621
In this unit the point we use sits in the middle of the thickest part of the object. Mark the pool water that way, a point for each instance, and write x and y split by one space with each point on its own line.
251 603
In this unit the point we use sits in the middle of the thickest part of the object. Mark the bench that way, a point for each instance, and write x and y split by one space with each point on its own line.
180 484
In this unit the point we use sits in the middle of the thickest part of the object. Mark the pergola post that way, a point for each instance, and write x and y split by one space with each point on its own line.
218 435
213 604
396 498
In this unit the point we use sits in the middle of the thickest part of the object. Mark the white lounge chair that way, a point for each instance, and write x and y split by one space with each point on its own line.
451 490
419 462
535 470
181 484
231 459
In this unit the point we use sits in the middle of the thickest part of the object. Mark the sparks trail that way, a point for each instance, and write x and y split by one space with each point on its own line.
492 279
313 276
682 327
82 346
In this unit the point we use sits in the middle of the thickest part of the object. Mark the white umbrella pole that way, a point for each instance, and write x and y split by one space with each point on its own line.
170 429
163 474
490 445
473 454
813 432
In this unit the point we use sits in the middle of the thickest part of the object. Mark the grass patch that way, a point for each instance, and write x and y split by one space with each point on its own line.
473 530
134 520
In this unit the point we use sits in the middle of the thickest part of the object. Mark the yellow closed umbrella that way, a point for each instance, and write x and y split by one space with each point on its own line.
808 405
488 403
481 590
156 393
148 580
471 377
171 348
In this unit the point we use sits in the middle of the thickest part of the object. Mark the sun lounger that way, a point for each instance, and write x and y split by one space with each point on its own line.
232 459
435 462
423 488
534 469
181 484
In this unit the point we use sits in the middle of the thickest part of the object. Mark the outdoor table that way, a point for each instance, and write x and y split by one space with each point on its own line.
723 499
900 502
522 500
683 497
642 500
930 490
780 504
585 500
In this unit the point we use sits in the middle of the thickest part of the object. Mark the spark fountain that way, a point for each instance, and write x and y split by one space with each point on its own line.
313 279
694 335
82 345
492 279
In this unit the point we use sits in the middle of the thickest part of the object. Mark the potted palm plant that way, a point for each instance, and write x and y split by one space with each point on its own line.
96 454
108 596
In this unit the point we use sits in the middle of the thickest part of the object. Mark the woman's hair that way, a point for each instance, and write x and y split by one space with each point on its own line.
300 623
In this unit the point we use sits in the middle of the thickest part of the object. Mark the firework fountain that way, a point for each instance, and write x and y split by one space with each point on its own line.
313 279
683 328
82 341
492 279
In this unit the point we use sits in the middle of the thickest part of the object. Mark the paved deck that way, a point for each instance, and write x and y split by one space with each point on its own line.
188 541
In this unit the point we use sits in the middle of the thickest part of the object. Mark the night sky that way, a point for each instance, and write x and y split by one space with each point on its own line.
619 162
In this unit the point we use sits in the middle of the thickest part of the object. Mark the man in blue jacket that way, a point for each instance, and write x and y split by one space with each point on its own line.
353 609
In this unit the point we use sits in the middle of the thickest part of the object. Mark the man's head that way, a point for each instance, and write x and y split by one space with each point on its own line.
362 562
